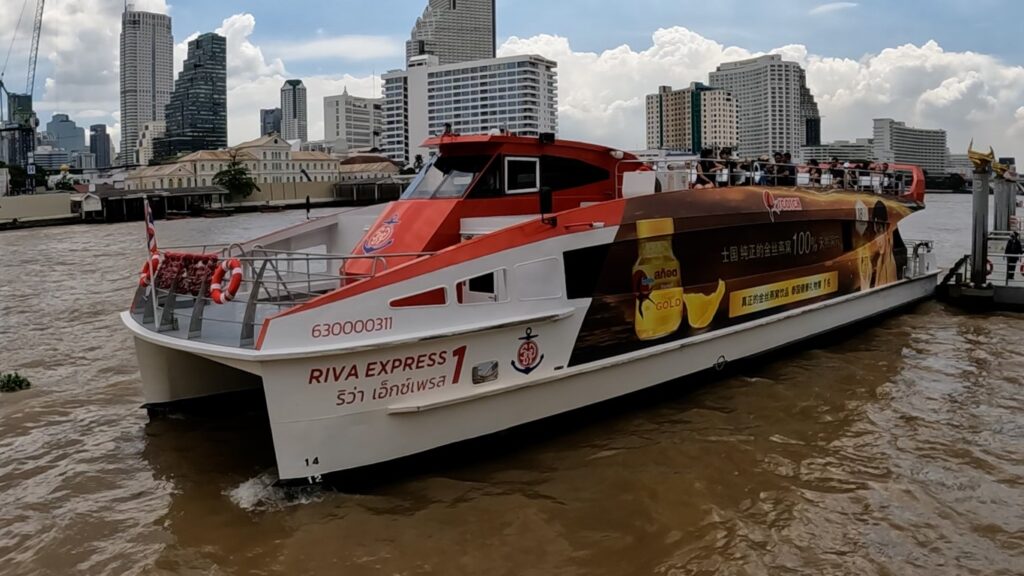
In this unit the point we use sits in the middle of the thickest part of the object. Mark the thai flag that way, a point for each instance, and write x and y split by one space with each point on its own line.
150 228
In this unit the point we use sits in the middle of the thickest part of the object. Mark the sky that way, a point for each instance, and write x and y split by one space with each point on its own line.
950 64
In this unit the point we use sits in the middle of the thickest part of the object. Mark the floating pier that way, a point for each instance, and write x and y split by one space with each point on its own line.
991 277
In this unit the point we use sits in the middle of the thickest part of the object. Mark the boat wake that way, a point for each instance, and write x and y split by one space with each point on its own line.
261 494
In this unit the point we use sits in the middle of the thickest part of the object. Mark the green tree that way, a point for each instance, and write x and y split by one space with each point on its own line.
65 184
236 179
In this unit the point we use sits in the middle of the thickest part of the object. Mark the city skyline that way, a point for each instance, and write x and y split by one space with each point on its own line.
604 71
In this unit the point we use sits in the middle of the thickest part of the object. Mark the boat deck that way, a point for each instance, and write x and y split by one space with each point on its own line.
178 303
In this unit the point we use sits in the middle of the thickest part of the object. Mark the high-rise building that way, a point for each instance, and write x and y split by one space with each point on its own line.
518 94
691 118
18 139
960 164
353 122
811 116
144 148
454 31
51 158
860 149
66 134
100 145
197 115
83 161
270 121
777 113
147 73
896 142
293 111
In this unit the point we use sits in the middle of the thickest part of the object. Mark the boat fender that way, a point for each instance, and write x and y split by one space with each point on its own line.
988 267
218 292
149 267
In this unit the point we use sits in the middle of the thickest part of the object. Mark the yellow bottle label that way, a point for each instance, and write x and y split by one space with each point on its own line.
657 281
660 314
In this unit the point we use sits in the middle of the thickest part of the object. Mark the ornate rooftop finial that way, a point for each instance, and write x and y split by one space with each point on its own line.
981 162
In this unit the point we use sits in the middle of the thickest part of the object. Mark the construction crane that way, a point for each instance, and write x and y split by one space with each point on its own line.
33 55
18 132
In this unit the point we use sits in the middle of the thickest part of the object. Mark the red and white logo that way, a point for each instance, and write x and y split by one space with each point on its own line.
528 357
382 237
777 206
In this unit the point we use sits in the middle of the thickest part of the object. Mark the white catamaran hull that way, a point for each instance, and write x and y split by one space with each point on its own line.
423 396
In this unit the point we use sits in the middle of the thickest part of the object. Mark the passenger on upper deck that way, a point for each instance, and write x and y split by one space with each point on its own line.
784 174
705 170
814 173
724 167
773 168
887 183
836 169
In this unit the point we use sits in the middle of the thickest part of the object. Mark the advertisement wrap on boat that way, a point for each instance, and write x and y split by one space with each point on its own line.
517 279
684 264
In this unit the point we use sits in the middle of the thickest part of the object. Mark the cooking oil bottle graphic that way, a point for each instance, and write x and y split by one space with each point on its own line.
657 284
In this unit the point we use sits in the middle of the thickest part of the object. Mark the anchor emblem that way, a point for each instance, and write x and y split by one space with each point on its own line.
528 356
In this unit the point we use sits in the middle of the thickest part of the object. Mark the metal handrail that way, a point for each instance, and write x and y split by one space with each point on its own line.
1003 266
759 173
279 290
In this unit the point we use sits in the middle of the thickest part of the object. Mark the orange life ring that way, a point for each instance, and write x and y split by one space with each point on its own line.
218 292
149 268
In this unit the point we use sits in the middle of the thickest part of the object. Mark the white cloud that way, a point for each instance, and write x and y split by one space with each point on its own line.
832 7
601 96
77 71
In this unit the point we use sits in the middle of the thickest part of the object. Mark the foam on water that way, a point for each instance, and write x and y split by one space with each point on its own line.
261 494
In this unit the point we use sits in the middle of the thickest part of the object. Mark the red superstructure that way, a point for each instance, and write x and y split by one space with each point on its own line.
488 175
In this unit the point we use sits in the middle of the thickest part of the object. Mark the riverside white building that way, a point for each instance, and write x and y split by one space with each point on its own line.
690 119
844 150
896 142
454 31
353 122
514 93
147 74
269 160
960 164
777 113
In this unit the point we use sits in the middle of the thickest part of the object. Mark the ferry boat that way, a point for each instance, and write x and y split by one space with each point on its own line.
517 278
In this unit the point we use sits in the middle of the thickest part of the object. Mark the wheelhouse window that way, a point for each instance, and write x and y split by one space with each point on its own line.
446 177
522 175
560 173
486 288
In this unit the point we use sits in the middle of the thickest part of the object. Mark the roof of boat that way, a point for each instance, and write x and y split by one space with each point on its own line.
457 139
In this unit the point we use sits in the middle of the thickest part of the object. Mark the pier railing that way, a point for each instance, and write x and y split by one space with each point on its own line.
177 300
1003 270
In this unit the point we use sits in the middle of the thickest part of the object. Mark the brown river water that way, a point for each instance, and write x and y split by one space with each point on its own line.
897 449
